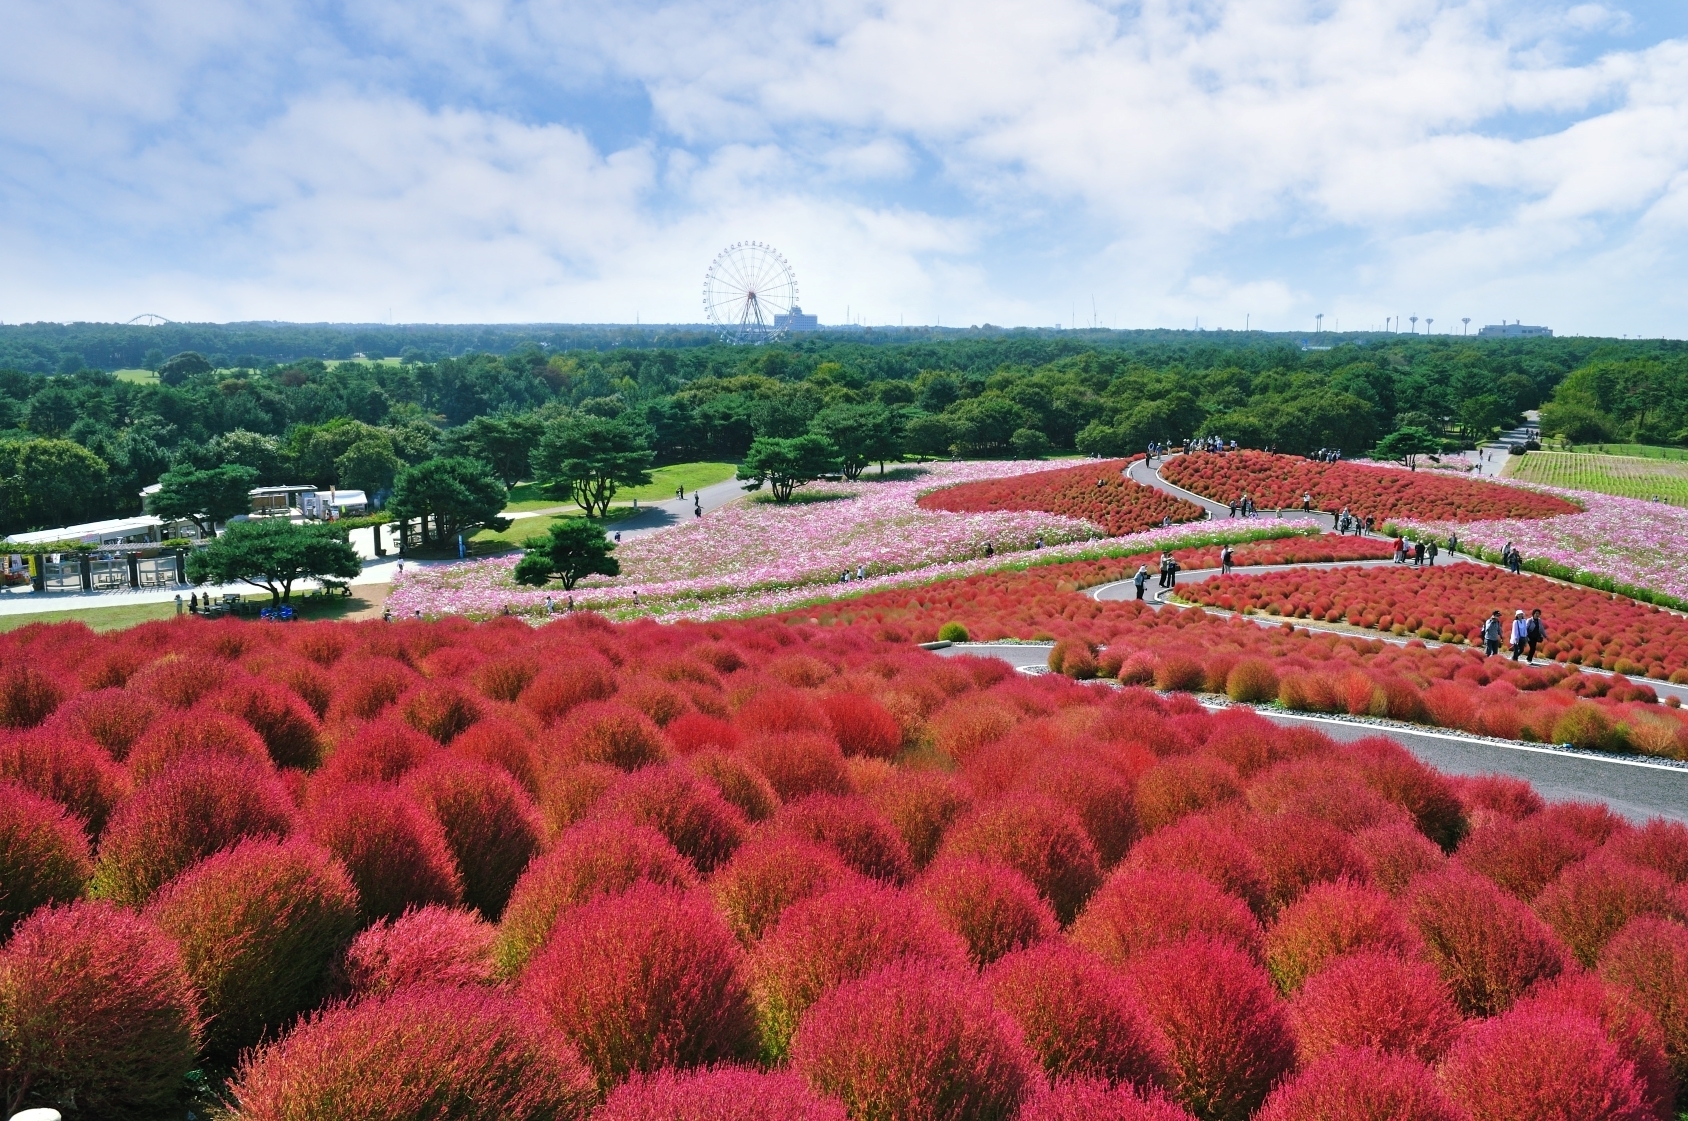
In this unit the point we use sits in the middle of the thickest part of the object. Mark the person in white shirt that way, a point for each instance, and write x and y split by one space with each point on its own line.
1520 634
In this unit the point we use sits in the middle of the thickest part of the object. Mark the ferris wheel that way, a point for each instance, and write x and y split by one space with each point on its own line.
749 292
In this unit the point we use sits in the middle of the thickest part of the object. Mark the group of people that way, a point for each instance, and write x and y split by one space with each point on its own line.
1512 559
1419 553
1243 505
861 569
1525 634
1326 455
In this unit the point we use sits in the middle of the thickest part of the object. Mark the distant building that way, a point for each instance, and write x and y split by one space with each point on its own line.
797 321
1513 331
143 530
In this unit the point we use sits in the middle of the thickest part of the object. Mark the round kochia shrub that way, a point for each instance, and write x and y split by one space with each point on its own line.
491 825
1523 856
96 1012
27 695
112 718
1209 846
689 811
604 857
1488 946
607 732
1361 1085
1396 852
723 1093
642 980
1176 788
198 732
43 855
862 726
1659 845
921 805
1329 921
739 783
71 770
289 728
1540 1061
1378 1001
851 827
461 1053
995 909
915 1042
1138 909
383 750
1091 1099
260 927
1231 1040
1100 796
396 854
197 806
430 946
1626 1024
1081 1018
1590 902
1296 852
768 874
1648 960
797 764
1039 838
835 937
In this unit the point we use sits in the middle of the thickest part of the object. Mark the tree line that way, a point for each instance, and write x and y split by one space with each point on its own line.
81 444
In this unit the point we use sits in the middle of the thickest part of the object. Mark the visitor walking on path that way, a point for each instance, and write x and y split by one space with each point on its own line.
1520 633
1430 551
1491 635
1307 503
1400 551
1225 561
1172 567
1535 633
1141 580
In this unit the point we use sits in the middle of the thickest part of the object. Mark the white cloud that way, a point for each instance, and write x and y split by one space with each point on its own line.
994 160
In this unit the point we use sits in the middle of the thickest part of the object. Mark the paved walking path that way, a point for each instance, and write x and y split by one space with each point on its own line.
1634 787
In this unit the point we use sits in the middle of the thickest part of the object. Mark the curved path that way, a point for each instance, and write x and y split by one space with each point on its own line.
1636 788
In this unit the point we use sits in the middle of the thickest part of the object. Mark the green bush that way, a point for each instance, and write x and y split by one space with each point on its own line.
952 632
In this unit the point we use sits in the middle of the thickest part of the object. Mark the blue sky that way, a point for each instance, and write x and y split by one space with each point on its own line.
1165 162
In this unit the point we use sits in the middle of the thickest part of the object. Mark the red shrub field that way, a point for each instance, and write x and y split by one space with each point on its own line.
1450 603
1192 651
1096 492
833 877
1279 481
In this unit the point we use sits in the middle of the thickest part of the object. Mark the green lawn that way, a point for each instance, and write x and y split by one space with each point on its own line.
129 614
1623 475
529 496
140 377
492 541
1639 451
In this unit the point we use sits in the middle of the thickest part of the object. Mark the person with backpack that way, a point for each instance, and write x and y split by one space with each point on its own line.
1535 633
1141 580
1491 635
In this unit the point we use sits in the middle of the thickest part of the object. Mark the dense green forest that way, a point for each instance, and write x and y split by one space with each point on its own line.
78 443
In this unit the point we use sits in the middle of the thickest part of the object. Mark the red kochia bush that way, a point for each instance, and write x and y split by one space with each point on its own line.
368 685
196 732
862 726
1395 853
1296 852
260 926
739 783
1391 770
1100 796
692 732
1523 857
397 855
96 1014
1230 1037
820 943
1627 1025
430 946
1208 846
1375 1000
1081 1018
288 726
199 805
1487 797
179 680
1091 1099
414 1053
995 909
607 732
1660 845
851 827
66 768
1361 1085
1489 946
682 807
384 750
1592 901
1178 787
563 688
1329 921
922 805
491 826
501 742
1540 1061
723 1093
916 1042
1138 909
112 718
43 854
642 980
768 874
1648 960
27 696
602 857
797 764
441 710
1039 838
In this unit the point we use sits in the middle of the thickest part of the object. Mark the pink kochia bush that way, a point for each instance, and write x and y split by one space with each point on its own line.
1139 909
43 854
461 1053
1378 1001
1230 1037
993 907
1329 921
491 826
642 980
1081 1018
1648 962
1090 1099
96 1013
1361 1085
260 926
1542 1061
396 854
430 946
915 1041
723 1093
